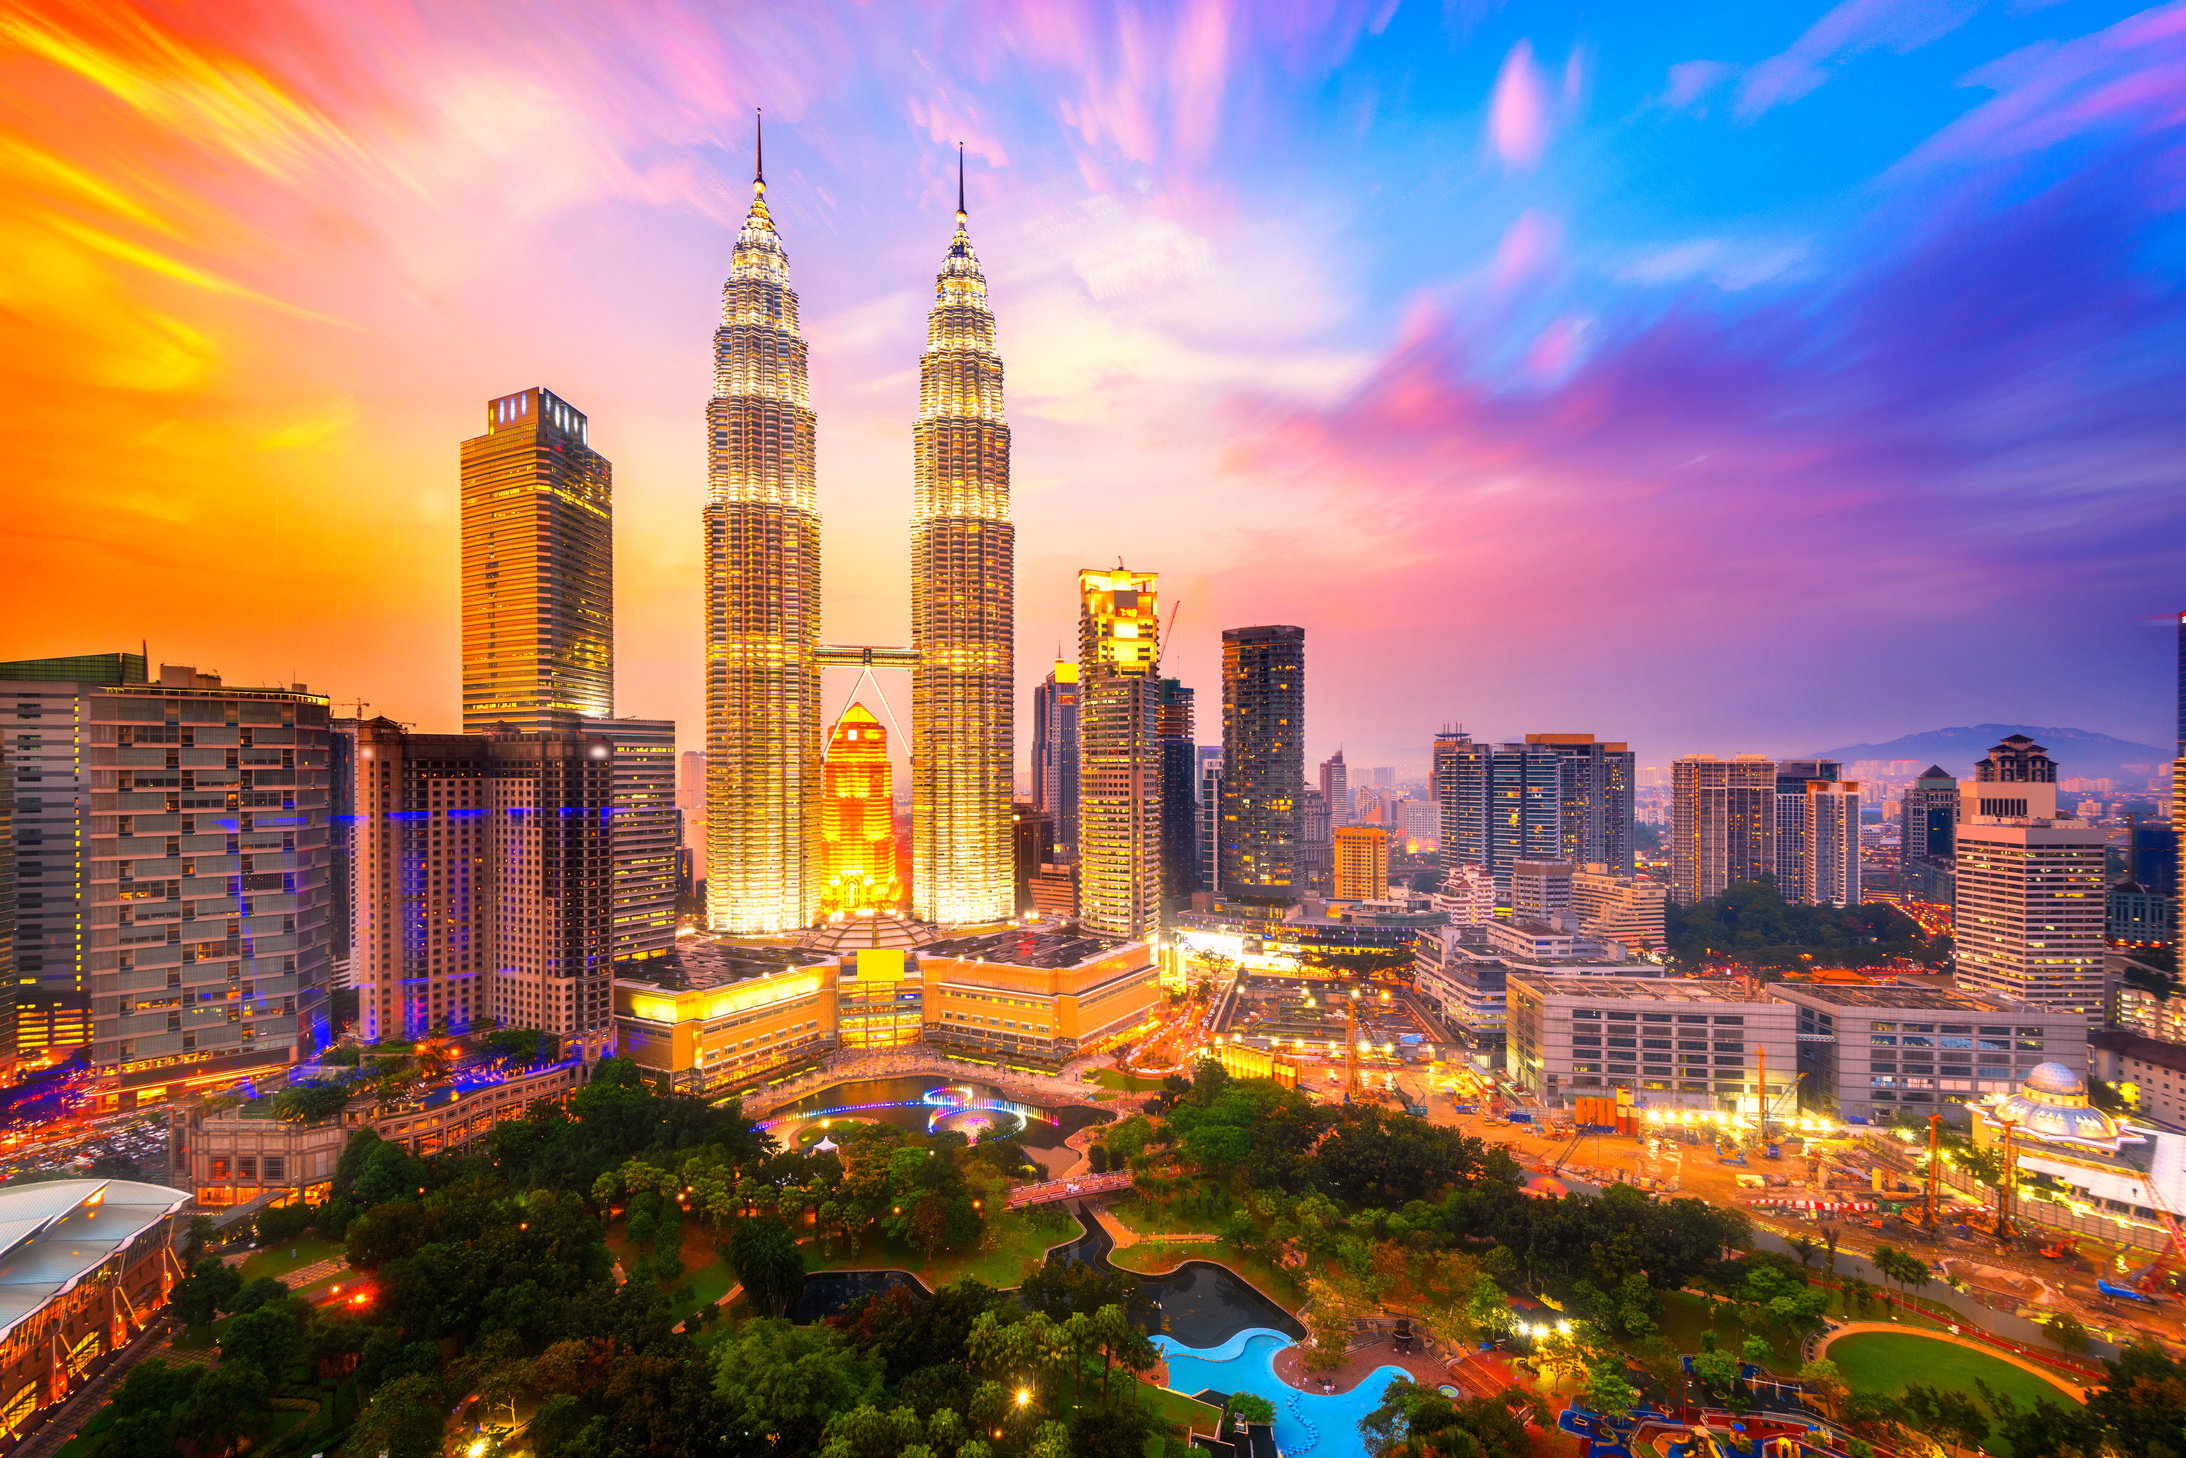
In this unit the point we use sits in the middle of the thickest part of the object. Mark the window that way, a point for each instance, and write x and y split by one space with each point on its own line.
1883 1039
246 1166
1732 1022
275 1166
220 1167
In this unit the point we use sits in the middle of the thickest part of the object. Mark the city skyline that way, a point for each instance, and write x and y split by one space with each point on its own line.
1576 339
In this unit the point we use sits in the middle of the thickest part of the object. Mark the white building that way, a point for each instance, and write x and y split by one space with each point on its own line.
1674 1042
1619 908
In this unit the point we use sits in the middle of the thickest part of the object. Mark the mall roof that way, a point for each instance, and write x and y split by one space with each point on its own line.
700 963
1024 947
1921 998
54 1234
1638 989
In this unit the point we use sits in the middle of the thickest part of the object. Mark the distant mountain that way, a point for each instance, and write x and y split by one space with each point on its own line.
2080 753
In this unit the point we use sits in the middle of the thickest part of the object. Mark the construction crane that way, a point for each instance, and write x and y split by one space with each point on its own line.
1935 1171
2149 1278
1351 1048
2007 1181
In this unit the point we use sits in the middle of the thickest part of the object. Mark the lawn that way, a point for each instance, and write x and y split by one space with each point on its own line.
1025 1237
709 1280
1889 1361
1124 1082
1150 1222
1175 1407
290 1255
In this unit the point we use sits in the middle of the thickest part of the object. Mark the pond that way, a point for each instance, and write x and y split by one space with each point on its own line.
929 1105
1323 1424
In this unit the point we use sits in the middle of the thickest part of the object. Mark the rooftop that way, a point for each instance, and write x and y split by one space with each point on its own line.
55 1233
700 963
2133 1045
1927 998
1638 989
1024 947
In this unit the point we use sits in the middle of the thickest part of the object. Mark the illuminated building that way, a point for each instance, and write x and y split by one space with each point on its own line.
485 884
85 1266
1179 802
1263 759
1467 896
1501 803
1541 891
1055 752
1830 855
762 600
963 607
1792 778
538 569
1032 845
2028 921
173 871
1927 814
646 835
1723 823
1336 789
7 917
1119 760
1597 782
1209 849
1361 862
1675 1042
1866 1051
1466 969
2098 1174
857 819
727 1016
2016 780
1619 908
1316 865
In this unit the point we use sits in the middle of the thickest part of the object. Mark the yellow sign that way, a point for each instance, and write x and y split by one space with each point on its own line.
880 964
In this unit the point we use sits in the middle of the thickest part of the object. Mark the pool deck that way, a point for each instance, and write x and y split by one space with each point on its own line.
1290 1366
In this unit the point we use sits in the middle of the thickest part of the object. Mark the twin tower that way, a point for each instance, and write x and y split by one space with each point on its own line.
763 651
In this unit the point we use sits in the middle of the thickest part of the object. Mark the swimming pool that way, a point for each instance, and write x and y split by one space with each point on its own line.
1325 1425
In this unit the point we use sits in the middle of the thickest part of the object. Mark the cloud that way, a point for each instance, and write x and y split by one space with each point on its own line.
1850 28
1518 110
1691 81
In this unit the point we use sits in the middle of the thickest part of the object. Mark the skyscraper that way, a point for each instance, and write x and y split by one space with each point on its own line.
1501 803
1830 833
1179 799
1927 815
1316 843
762 599
1119 762
857 819
538 569
963 606
1055 752
1336 789
1209 866
1596 788
645 836
2029 917
2016 779
1792 778
1361 857
1722 823
485 892
1263 758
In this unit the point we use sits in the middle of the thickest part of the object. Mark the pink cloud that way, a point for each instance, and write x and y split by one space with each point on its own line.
1527 247
1518 110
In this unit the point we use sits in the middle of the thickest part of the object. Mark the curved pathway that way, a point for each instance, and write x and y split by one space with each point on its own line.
2048 1374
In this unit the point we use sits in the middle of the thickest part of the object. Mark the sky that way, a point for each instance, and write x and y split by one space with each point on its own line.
1716 377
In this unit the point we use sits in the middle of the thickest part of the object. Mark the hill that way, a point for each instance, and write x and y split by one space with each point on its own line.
2078 752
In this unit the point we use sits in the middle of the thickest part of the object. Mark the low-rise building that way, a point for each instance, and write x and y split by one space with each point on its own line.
1867 1051
85 1265
1617 908
1674 1042
2082 1170
2149 1074
1464 970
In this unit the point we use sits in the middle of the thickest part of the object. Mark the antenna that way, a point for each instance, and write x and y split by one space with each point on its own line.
960 182
759 146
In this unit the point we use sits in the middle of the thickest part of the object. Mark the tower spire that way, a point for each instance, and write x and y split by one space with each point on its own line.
960 182
759 149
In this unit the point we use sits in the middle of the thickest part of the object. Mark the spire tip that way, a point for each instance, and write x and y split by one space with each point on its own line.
960 182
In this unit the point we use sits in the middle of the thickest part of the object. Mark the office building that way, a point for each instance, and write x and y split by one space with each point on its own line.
1055 752
1336 789
858 820
1316 868
1928 813
1792 778
538 569
173 874
1673 1042
1179 801
1868 1051
1054 892
485 884
1830 843
1541 891
1466 971
1723 823
2016 780
90 1264
8 1048
1466 896
2029 918
1596 792
1119 757
1420 822
1209 846
1619 908
647 835
1032 845
1501 803
1361 862
762 548
691 808
1263 759
963 608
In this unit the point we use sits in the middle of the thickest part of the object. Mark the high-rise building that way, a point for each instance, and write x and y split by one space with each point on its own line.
1597 786
1722 823
2016 780
2029 917
1055 752
1119 759
1179 802
485 883
1210 817
691 808
1617 908
172 874
1361 863
1316 843
1792 778
1263 758
1926 817
646 836
1501 803
1541 891
1467 896
963 607
1032 845
1336 788
538 569
857 819
1830 831
762 529
7 915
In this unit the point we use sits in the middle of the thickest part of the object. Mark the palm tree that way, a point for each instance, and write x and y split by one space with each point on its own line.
1831 1234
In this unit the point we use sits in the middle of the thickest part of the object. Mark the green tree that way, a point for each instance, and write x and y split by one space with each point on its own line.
405 1419
207 1291
1608 1391
311 1102
1718 1371
270 1338
764 1255
782 1383
227 1406
2067 1331
1250 1407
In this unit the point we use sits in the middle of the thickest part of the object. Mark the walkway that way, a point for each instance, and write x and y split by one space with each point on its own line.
1070 1189
1125 1237
1046 1089
1359 1364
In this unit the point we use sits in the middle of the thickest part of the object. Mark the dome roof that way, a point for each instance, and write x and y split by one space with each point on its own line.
2055 1078
870 930
2053 1105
